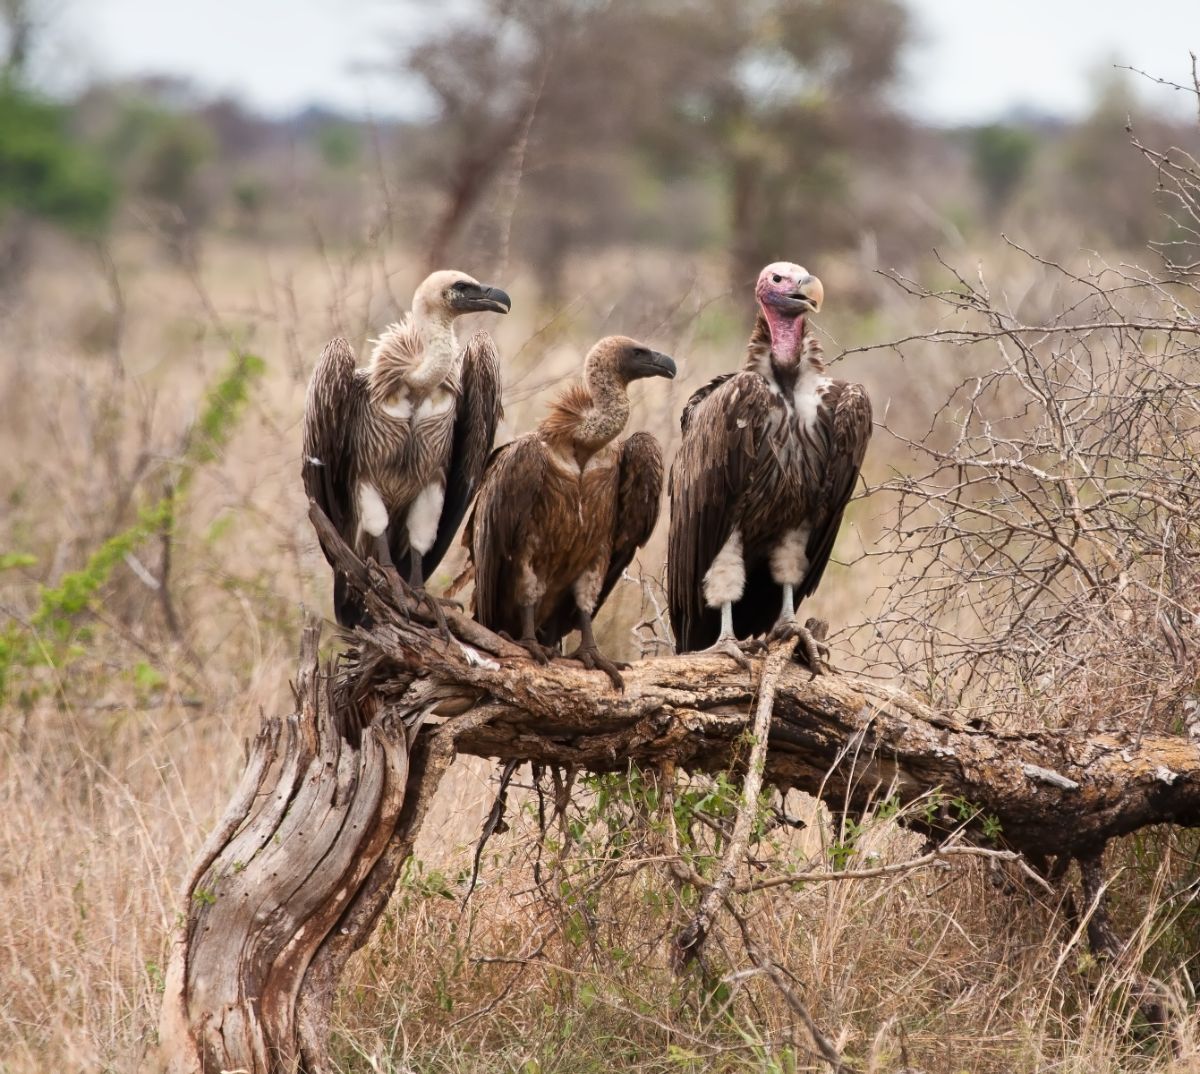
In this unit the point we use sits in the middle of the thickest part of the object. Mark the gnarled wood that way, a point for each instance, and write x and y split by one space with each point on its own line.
310 847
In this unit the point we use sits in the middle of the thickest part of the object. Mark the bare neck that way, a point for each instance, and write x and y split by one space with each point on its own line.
439 353
783 345
609 411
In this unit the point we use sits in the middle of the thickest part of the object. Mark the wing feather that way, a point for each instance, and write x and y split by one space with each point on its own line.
725 432
328 465
849 418
497 528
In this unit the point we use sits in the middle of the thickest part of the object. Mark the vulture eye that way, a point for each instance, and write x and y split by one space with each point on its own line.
776 278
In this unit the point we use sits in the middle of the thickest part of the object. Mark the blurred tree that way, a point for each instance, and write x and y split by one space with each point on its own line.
1104 183
782 95
773 94
161 152
45 174
1001 156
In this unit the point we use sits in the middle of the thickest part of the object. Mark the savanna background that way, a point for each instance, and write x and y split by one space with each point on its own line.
172 259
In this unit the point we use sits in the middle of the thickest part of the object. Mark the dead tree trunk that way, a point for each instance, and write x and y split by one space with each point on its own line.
310 847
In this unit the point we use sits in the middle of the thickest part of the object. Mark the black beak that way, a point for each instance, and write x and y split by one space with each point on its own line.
477 298
655 364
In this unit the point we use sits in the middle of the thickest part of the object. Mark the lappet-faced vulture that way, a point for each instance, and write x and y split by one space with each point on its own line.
393 453
769 459
562 510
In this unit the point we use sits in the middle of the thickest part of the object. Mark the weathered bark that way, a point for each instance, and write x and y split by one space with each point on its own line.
311 845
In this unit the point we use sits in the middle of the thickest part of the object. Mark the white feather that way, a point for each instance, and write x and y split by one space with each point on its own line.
424 515
725 580
788 560
372 513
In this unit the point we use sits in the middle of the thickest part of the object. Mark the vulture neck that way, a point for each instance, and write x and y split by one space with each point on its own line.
782 350
414 356
588 416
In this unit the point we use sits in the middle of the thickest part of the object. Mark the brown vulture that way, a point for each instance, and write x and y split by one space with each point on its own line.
562 510
770 456
393 453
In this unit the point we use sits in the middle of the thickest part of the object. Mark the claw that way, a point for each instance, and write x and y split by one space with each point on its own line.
594 660
810 640
435 608
532 646
729 647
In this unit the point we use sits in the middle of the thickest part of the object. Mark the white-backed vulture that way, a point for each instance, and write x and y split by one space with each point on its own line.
562 510
393 453
769 459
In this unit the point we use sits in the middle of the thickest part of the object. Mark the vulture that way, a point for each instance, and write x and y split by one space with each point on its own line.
562 510
769 459
393 453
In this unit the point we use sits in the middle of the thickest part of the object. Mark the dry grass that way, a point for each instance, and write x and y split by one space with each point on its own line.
113 769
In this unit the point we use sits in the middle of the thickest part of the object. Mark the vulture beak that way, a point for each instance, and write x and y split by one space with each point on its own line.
479 298
654 364
805 297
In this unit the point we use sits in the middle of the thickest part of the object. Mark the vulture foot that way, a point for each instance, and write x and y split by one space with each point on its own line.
594 660
731 648
541 654
811 641
399 591
435 608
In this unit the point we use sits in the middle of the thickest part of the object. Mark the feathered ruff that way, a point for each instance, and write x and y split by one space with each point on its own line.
396 353
566 414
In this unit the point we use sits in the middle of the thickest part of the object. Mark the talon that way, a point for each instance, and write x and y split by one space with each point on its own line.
594 660
729 647
531 645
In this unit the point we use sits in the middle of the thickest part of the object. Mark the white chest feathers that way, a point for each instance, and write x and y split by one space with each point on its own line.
400 406
807 397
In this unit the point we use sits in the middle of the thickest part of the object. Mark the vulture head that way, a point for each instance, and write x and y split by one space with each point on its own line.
786 294
627 359
788 290
449 293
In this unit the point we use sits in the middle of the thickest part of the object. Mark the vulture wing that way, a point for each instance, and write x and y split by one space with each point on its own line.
847 424
499 525
639 496
725 433
479 412
328 464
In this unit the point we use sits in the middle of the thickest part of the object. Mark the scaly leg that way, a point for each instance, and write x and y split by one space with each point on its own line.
590 656
416 582
383 556
727 643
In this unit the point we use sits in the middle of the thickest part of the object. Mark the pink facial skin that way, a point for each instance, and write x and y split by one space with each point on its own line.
786 292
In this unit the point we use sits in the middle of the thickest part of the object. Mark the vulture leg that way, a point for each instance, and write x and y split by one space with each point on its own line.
590 656
383 555
528 639
727 643
416 583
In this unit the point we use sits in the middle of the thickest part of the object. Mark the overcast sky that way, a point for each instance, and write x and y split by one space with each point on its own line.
974 60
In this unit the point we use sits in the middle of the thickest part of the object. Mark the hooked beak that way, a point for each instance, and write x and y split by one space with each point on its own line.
479 298
805 297
655 364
